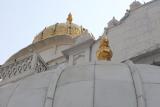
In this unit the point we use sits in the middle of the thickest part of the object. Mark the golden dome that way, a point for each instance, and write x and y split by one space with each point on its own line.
67 28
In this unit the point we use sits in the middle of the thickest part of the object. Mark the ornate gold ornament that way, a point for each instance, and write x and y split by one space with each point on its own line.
104 52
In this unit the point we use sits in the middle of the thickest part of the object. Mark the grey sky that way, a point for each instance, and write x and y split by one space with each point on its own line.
21 20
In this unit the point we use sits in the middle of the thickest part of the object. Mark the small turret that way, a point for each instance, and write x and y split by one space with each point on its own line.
113 22
135 5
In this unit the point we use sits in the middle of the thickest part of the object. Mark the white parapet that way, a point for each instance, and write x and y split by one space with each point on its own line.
31 64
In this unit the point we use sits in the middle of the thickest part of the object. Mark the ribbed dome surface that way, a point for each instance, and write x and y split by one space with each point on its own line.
99 84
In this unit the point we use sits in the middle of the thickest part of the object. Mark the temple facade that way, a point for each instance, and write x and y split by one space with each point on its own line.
65 66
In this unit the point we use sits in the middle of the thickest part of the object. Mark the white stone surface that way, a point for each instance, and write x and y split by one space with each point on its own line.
137 34
96 84
79 53
150 76
53 53
28 92
94 49
113 86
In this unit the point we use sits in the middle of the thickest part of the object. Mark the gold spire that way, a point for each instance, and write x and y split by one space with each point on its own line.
104 52
69 18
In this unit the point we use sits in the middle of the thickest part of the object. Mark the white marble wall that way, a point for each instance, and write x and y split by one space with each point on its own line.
95 47
53 53
137 34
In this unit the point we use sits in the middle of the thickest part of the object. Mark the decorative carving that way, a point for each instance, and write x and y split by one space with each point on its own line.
32 63
40 66
104 52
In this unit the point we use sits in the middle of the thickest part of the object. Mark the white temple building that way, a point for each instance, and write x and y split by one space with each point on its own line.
65 66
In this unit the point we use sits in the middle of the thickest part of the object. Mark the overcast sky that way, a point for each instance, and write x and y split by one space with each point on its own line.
21 20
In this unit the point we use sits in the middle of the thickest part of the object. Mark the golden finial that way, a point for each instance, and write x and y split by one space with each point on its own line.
104 52
69 19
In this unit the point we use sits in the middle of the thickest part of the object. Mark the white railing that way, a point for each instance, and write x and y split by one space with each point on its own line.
31 63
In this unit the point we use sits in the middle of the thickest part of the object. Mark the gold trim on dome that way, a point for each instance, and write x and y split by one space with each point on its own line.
104 52
57 29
